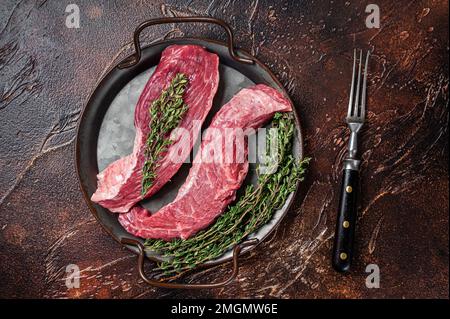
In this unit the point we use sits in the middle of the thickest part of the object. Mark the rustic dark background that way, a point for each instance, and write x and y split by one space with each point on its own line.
48 71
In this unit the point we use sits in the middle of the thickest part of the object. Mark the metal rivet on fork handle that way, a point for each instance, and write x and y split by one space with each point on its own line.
343 256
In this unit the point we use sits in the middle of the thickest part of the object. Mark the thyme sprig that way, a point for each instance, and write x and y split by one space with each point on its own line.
165 114
254 209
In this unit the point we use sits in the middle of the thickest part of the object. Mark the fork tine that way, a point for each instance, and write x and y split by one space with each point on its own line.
364 88
352 87
358 86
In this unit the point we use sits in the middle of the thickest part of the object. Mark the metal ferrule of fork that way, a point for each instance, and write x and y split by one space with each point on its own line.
351 162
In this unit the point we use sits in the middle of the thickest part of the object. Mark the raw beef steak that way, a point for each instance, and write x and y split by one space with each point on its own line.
213 180
119 185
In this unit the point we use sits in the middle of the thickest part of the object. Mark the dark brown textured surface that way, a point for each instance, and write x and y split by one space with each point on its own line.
47 71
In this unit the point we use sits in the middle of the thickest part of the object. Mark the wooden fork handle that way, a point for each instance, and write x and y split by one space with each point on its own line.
346 220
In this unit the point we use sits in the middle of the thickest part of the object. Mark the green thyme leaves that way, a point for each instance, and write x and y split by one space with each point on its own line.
165 114
254 208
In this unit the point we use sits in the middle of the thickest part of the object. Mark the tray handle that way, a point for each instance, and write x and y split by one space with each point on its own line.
236 251
135 57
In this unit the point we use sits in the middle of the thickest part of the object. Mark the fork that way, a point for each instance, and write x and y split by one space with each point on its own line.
345 225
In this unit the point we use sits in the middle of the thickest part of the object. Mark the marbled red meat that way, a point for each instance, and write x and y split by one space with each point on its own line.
210 185
119 185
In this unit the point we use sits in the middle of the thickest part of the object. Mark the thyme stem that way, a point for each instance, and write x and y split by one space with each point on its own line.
165 114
